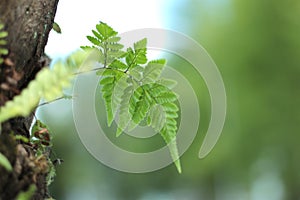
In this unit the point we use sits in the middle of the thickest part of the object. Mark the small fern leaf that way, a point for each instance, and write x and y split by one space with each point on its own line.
93 40
114 46
119 65
174 155
106 41
108 86
118 92
140 45
113 39
156 118
49 84
124 115
137 72
105 30
166 97
137 56
158 89
139 106
108 83
167 82
153 70
169 131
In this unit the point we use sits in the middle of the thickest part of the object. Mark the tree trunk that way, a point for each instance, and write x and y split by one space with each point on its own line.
28 23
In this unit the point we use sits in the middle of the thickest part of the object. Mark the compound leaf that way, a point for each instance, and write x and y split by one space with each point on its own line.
153 70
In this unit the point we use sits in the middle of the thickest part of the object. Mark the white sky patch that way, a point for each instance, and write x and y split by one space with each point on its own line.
78 18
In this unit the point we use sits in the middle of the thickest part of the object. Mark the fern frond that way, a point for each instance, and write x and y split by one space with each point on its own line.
169 131
133 88
118 65
106 41
48 84
137 55
156 118
140 103
118 92
108 83
165 98
124 115
3 35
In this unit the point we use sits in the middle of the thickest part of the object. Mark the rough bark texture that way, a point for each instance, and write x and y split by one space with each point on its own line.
28 23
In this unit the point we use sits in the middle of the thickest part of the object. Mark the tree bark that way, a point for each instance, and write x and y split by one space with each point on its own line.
28 23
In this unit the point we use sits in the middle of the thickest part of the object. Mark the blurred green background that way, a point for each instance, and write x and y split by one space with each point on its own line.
256 45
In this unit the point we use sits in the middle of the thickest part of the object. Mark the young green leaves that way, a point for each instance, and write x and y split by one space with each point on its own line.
3 35
48 84
132 88
106 42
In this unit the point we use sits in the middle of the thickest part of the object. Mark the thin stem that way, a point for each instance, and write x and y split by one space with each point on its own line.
95 69
48 102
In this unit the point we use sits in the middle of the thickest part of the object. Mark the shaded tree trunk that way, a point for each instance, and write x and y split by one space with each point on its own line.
28 23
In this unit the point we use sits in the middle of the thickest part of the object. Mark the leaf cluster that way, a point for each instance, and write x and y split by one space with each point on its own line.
48 84
132 88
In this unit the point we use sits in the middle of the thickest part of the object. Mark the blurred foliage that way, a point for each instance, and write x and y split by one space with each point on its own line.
256 46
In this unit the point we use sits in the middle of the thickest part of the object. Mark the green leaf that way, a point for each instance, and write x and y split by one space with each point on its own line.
3 51
153 70
137 56
156 118
167 82
3 34
169 131
158 90
140 104
134 90
27 195
108 82
37 126
166 97
107 43
114 46
4 162
48 84
137 72
97 35
140 45
105 30
93 40
56 27
117 64
124 115
3 42
118 93
22 138
113 39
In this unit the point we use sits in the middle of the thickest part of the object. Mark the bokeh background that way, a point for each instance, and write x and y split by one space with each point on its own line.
256 45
